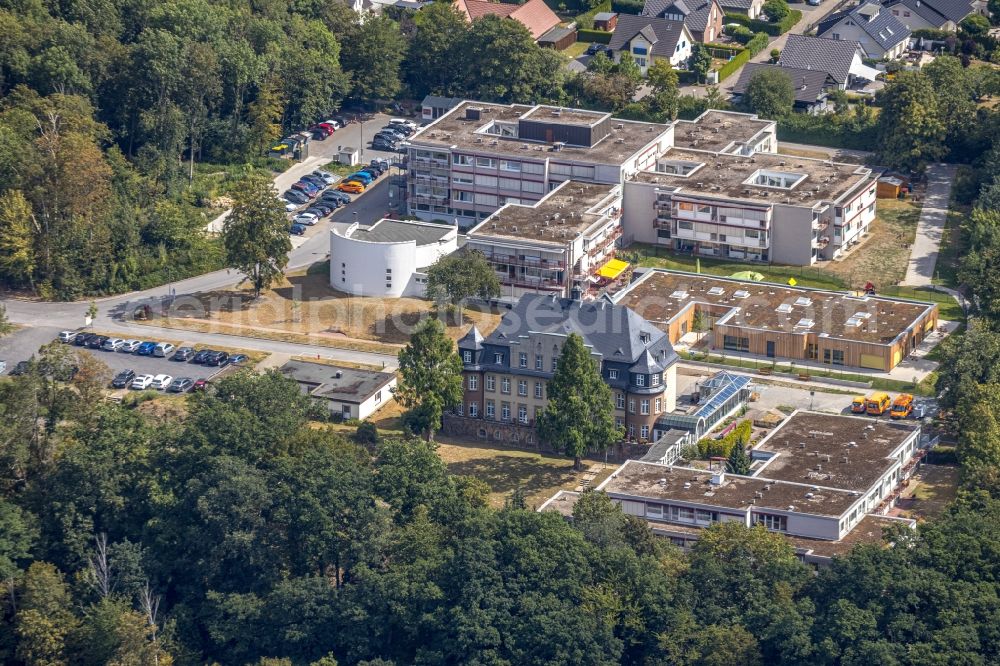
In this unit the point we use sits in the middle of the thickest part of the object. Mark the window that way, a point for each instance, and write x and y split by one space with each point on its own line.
487 162
462 196
657 406
473 383
631 431
771 522
509 184
686 226
505 385
507 165
532 167
644 407
836 35
522 413
612 374
619 423
532 186
620 400
498 359
505 411
462 180
654 511
378 397
522 360
554 361
473 409
538 362
486 199
640 50
654 380
458 409
490 409
486 181
643 432
811 351
522 387
491 383
833 356
467 357
640 380
538 389
631 406
463 160
733 343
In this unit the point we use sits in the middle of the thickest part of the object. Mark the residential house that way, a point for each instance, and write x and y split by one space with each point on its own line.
506 374
934 14
881 34
568 238
752 8
704 18
649 39
842 60
534 15
811 86
349 393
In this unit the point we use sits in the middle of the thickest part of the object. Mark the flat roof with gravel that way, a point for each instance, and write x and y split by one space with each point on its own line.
395 231
717 130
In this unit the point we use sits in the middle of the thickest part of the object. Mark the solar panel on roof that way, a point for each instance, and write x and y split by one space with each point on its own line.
736 383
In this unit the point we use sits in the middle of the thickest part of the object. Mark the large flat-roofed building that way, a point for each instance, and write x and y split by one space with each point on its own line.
388 258
727 132
349 393
480 156
824 481
507 373
759 207
563 240
782 322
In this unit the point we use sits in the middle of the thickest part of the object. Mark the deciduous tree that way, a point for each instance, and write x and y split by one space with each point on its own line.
769 93
430 375
455 278
255 234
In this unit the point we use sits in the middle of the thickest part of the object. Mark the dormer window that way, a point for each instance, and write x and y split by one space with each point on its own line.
640 380
644 338
612 374
467 357
498 359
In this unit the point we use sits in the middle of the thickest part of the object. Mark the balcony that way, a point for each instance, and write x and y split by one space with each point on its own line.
514 260
605 242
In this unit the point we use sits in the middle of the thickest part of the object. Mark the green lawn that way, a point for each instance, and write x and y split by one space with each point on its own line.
658 257
575 50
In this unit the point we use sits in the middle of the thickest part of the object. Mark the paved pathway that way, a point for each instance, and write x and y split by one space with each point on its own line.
930 228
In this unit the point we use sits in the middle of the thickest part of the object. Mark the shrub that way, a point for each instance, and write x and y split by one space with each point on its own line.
776 10
627 6
758 43
367 433
727 70
586 20
740 33
741 435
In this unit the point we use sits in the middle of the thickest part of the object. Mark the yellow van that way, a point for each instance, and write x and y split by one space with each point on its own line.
878 403
901 406
858 405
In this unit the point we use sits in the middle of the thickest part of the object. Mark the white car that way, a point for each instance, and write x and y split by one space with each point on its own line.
335 123
307 219
289 206
161 382
163 349
404 122
129 346
142 382
113 344
67 336
327 177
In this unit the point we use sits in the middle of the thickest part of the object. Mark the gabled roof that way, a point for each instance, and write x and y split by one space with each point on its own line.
696 12
613 331
885 29
937 12
736 4
809 84
661 33
832 56
534 15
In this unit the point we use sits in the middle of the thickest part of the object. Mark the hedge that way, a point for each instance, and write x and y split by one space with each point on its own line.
757 43
824 130
686 76
586 20
727 70
627 6
712 46
930 33
772 29
599 36
741 434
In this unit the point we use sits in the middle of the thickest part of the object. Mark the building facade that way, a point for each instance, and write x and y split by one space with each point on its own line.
552 245
506 374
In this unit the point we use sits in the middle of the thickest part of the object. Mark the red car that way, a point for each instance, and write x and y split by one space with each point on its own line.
200 385
325 129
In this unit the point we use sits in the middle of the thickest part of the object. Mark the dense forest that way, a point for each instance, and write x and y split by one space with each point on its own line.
233 531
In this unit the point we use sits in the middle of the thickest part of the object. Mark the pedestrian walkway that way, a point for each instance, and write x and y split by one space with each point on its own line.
930 228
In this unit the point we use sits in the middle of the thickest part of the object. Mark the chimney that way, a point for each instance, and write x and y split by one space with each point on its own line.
719 478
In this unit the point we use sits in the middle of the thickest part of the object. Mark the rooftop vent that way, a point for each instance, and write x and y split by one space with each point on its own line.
473 113
680 294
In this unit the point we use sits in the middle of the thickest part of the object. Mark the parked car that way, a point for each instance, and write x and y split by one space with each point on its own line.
315 210
163 349
596 48
295 196
220 359
161 382
335 123
320 132
308 189
200 385
142 382
20 368
200 357
123 379
130 346
361 176
333 195
392 130
353 187
82 339
238 359
183 354
112 344
180 385
297 230
376 169
327 178
382 164
290 207
327 205
409 124
314 180
67 337
307 219
385 146
97 342
145 349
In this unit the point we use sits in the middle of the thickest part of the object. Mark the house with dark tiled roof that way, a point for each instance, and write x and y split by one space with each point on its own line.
534 15
935 14
506 373
811 86
842 60
882 36
649 39
752 8
702 17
